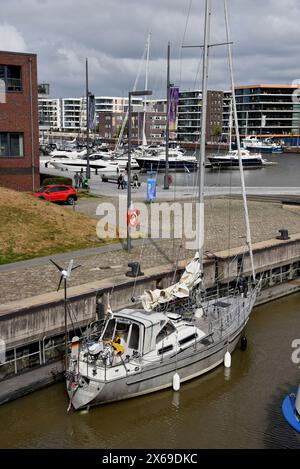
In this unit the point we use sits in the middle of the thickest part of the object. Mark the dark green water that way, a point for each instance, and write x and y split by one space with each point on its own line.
242 410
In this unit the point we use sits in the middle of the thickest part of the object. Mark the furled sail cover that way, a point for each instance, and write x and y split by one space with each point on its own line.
189 279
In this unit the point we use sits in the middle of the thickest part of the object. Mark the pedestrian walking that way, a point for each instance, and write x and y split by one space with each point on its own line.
125 181
85 183
120 181
135 181
81 179
76 180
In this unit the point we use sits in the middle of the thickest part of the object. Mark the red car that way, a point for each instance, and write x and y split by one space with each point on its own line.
57 193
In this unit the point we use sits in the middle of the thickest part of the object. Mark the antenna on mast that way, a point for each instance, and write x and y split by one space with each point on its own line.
65 275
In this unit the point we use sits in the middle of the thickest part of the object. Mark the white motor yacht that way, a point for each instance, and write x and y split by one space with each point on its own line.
97 162
231 159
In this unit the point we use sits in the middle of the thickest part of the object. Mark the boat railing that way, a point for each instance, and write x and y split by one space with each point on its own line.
227 318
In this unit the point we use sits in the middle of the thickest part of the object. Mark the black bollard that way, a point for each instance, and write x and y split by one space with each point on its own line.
284 234
135 270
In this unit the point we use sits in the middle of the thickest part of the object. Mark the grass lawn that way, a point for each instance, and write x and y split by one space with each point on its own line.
31 227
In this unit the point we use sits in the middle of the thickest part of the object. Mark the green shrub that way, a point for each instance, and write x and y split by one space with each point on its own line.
57 180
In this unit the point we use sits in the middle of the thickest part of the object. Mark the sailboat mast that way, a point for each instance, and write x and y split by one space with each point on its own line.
146 87
200 218
247 223
120 137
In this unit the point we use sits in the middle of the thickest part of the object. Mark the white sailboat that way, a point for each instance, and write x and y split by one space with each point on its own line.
177 334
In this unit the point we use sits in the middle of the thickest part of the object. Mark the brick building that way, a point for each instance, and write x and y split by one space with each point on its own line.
155 125
19 142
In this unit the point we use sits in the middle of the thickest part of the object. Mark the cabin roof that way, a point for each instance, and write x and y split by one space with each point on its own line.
141 316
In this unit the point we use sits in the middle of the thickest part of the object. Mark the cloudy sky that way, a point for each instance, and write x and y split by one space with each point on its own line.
112 34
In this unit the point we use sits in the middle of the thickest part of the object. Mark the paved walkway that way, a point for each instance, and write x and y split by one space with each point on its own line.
37 276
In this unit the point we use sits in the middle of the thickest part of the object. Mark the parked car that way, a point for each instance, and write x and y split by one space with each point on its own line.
57 193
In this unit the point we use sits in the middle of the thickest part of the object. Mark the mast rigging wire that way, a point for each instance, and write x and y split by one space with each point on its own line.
237 134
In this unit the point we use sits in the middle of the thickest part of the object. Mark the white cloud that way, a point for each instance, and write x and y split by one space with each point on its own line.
11 39
112 34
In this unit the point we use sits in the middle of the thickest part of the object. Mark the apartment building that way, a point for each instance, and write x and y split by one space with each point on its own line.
110 122
50 116
190 111
72 113
271 111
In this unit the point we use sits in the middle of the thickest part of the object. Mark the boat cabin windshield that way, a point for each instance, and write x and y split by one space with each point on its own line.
125 332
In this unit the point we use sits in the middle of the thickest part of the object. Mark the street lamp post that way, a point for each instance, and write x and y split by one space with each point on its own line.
131 93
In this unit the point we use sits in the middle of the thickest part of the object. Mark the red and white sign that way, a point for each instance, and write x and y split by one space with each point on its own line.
133 218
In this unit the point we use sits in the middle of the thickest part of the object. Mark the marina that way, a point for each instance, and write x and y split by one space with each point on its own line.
150 234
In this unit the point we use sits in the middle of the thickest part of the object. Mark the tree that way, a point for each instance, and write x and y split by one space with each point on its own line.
216 132
118 130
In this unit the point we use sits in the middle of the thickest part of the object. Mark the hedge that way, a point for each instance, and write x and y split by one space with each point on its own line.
57 180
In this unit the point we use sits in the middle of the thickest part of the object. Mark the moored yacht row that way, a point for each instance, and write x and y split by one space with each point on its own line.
153 158
144 158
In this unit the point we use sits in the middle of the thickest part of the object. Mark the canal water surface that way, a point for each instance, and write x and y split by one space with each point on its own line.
239 410
283 170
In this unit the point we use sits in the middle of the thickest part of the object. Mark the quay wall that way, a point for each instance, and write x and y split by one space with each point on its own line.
26 321
33 329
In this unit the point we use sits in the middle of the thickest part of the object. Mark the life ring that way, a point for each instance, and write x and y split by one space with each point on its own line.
133 218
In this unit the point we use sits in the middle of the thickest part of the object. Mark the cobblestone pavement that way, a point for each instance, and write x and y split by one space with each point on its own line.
266 219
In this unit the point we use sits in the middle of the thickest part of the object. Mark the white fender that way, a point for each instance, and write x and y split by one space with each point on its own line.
227 360
176 382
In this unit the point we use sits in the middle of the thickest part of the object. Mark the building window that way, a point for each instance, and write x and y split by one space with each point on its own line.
11 144
11 75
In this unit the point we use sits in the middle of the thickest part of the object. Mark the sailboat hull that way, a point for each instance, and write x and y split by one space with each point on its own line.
192 364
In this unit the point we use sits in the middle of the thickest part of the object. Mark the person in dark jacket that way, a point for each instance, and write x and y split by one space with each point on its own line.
120 181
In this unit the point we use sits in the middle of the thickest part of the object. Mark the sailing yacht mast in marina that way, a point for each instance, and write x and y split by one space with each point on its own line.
237 134
179 332
200 218
144 141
